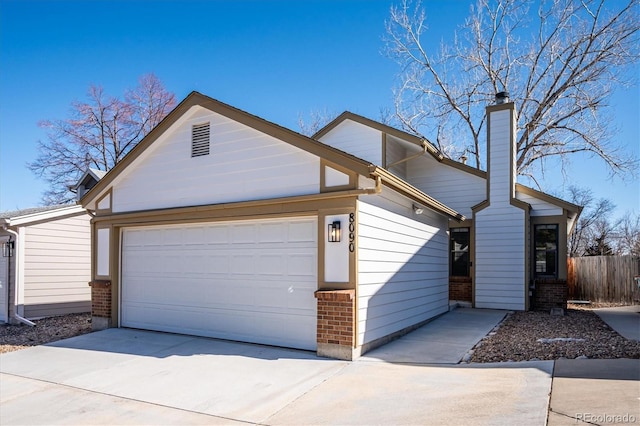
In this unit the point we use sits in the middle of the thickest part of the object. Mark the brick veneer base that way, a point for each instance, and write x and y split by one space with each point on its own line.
100 304
336 323
460 289
550 294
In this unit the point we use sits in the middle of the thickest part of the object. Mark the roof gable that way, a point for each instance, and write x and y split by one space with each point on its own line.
311 146
435 153
197 99
416 140
549 198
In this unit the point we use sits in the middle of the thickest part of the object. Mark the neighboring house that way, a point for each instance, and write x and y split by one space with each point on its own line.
46 262
86 182
221 224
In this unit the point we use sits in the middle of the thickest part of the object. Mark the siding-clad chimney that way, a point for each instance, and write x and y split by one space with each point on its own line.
501 153
500 251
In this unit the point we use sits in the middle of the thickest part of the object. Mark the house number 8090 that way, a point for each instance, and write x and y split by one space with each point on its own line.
352 232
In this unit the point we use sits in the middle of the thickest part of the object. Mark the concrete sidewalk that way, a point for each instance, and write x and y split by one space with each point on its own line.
599 391
625 320
595 391
444 340
121 376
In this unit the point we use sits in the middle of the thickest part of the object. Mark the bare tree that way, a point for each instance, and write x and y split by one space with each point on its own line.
628 233
593 228
559 62
98 134
316 121
601 237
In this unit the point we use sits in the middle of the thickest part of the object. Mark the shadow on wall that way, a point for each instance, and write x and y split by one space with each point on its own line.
403 275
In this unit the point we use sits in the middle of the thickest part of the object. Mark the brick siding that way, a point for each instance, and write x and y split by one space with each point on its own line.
336 320
101 298
550 294
460 289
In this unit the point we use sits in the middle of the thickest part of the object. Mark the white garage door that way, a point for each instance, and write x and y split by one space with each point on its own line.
247 281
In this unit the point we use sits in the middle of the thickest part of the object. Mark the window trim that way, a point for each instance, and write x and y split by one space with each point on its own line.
452 231
556 227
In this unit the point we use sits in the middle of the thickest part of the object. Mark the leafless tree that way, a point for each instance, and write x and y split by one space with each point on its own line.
628 235
593 227
317 120
559 59
98 134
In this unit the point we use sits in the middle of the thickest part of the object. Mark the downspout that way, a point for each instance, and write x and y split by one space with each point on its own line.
411 157
16 279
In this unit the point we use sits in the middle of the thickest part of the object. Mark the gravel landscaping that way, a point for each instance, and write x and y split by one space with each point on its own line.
47 330
534 335
520 336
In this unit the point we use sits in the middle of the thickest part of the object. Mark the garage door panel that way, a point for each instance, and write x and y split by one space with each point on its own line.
243 234
225 323
271 232
302 265
242 281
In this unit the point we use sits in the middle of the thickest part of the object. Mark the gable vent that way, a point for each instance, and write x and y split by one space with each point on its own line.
200 140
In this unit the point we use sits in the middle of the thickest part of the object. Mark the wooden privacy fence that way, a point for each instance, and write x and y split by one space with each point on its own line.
603 278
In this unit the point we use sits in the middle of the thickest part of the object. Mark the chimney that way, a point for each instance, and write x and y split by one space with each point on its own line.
502 98
501 155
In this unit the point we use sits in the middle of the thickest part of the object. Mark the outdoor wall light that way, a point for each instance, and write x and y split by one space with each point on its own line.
334 232
7 249
417 209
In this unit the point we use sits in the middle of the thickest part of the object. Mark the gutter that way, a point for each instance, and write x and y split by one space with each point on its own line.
425 149
16 281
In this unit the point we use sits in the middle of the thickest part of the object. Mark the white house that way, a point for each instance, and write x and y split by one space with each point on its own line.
45 263
222 224
510 252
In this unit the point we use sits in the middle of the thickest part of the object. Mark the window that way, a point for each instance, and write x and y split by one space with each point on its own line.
546 246
460 252
200 140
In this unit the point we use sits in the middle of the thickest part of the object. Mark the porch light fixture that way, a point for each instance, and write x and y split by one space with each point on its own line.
417 209
7 249
334 232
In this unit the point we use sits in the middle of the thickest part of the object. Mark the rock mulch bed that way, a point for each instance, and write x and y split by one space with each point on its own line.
533 335
47 330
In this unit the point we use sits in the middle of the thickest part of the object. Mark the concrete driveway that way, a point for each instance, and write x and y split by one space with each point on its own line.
121 376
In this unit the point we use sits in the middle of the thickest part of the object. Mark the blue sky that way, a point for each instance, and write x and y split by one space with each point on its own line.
274 59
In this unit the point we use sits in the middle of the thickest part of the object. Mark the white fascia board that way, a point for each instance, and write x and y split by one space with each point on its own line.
48 215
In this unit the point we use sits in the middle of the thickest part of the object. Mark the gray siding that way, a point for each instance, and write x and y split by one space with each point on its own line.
402 268
5 264
396 152
453 187
356 139
538 206
57 267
